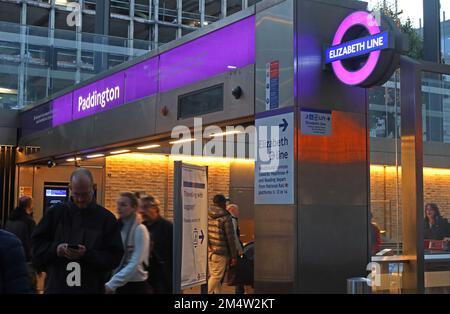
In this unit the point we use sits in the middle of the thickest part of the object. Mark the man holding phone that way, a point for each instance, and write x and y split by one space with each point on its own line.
78 239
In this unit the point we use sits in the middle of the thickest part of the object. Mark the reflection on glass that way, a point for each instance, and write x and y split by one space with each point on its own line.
436 182
48 66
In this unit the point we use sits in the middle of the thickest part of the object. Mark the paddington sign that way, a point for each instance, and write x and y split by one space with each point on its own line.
101 95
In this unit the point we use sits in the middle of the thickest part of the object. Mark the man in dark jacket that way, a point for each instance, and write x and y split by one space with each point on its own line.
78 243
13 271
221 245
161 235
21 224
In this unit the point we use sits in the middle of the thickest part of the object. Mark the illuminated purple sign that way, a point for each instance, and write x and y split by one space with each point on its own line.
369 22
99 96
62 109
141 80
221 51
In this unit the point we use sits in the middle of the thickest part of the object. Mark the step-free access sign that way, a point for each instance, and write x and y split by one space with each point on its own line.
365 50
316 122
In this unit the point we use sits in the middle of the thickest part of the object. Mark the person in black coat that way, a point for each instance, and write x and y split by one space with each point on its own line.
436 227
78 243
161 235
21 224
13 270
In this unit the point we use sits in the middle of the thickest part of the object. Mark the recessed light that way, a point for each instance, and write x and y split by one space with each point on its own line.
224 133
183 141
73 159
149 146
95 156
120 151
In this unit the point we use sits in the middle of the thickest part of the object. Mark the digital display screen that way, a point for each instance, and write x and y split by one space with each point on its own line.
49 192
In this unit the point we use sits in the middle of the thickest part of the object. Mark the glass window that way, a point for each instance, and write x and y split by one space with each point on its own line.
8 83
37 16
434 95
141 9
120 7
118 28
88 25
89 4
201 102
10 13
213 11
168 11
35 85
186 31
61 21
141 31
436 178
166 34
383 103
191 13
445 31
234 6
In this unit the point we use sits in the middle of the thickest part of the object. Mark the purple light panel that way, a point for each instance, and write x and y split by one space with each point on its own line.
141 80
99 96
370 23
62 109
215 53
218 52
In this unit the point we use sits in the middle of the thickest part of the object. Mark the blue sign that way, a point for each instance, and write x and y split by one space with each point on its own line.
357 47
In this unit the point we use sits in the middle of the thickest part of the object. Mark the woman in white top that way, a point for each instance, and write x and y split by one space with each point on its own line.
131 275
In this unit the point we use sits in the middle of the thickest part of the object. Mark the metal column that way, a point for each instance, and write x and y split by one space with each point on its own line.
431 31
412 175
102 16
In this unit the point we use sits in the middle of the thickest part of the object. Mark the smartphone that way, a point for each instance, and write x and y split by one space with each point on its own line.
73 247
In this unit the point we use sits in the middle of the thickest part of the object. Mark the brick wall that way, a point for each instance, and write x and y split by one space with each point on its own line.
154 175
383 191
135 172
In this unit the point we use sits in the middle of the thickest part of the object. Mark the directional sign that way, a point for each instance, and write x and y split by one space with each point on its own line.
274 166
316 122
194 194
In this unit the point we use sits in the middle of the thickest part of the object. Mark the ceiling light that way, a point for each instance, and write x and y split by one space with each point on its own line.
95 156
120 151
8 91
73 159
149 146
183 141
224 133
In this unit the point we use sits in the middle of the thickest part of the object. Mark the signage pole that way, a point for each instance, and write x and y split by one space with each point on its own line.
177 227
204 288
